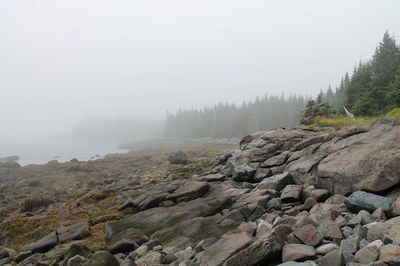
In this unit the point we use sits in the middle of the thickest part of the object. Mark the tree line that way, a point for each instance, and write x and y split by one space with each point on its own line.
229 120
374 86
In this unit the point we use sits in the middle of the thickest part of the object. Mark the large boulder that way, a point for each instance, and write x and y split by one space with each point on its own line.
360 200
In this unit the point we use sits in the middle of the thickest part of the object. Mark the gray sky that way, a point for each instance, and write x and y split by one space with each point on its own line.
63 61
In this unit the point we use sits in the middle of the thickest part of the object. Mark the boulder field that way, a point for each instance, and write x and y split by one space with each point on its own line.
298 196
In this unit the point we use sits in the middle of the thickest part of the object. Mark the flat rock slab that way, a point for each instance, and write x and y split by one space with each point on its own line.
189 191
294 252
360 200
44 244
73 232
224 248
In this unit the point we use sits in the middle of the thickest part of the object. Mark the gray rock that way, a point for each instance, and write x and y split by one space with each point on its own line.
330 230
224 248
326 248
367 255
351 244
73 232
263 250
76 260
101 258
189 191
44 244
333 258
291 193
261 174
295 252
276 182
360 200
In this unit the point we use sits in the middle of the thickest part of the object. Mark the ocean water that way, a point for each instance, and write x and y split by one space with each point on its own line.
42 151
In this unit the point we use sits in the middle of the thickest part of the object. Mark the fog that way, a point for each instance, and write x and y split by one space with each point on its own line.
66 62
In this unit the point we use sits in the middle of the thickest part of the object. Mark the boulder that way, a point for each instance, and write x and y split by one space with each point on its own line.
243 172
297 252
360 200
326 248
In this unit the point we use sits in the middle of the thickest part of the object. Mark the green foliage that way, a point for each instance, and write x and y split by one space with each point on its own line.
315 109
374 86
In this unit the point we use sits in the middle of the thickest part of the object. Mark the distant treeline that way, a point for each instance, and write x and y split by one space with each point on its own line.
374 86
229 120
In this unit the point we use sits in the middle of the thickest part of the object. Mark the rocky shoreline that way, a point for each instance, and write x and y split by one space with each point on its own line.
299 196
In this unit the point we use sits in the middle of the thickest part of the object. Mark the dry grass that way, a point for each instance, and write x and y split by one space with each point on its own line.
342 121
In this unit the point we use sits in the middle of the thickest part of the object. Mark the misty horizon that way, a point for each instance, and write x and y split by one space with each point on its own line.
65 62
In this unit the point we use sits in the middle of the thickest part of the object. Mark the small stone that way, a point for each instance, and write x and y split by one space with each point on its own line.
377 244
326 248
309 203
320 194
291 193
141 251
395 207
366 255
333 258
308 234
248 228
76 260
379 215
351 244
330 230
360 231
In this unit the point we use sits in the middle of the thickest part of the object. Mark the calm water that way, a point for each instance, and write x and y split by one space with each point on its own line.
40 152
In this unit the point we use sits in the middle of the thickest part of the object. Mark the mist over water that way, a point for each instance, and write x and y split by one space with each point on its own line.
80 77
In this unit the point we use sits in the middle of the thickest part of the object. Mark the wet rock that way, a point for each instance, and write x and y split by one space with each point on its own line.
308 234
360 200
297 252
291 193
